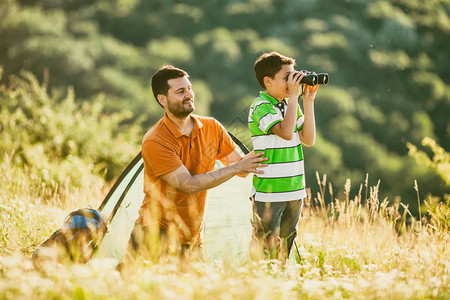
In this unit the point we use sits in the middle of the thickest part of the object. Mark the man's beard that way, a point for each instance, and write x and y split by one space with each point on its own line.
178 109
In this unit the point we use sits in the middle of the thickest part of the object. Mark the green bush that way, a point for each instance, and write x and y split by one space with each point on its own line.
58 141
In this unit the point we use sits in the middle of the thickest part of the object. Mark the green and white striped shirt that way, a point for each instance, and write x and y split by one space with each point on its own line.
283 178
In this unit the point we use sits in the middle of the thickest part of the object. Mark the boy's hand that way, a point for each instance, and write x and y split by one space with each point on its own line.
293 83
309 92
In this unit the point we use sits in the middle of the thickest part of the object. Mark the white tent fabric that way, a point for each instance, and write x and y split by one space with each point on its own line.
121 207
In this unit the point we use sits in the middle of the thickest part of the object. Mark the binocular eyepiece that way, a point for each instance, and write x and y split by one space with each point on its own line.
311 78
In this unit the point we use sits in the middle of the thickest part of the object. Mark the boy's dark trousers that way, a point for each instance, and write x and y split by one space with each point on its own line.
275 225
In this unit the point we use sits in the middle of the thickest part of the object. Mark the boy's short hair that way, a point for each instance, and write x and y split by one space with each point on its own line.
162 76
268 64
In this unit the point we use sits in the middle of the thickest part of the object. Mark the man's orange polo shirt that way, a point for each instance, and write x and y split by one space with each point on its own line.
164 149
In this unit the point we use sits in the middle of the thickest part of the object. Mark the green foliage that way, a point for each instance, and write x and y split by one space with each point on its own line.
440 160
387 60
437 213
60 142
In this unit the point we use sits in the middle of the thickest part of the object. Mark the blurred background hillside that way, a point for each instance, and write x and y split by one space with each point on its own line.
85 99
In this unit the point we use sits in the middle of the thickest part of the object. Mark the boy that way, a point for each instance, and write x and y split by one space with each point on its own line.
278 128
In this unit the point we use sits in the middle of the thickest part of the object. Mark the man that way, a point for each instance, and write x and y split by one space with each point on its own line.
179 155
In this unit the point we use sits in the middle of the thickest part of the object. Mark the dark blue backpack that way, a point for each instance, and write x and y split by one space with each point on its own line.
76 241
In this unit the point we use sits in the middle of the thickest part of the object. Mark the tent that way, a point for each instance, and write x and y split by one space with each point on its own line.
228 214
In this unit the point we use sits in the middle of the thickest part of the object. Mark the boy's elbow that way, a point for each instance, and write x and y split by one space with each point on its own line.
309 143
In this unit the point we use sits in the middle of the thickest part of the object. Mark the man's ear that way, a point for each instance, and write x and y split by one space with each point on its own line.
162 99
267 81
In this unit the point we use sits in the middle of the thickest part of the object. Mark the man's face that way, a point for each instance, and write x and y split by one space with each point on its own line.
180 97
279 88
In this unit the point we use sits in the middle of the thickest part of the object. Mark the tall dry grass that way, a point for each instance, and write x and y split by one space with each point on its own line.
30 210
355 248
366 237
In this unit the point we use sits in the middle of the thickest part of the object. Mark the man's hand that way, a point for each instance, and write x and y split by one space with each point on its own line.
250 162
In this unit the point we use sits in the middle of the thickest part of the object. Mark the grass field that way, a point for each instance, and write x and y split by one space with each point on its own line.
351 249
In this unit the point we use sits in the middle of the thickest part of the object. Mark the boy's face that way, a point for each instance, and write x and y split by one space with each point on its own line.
277 86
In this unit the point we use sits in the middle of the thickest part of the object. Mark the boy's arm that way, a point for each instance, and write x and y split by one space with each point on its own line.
308 132
285 128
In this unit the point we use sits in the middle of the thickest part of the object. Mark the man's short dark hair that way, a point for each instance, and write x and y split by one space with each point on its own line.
268 64
160 78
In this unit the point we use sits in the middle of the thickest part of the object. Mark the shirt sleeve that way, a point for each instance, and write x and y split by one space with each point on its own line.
160 158
265 116
226 144
300 119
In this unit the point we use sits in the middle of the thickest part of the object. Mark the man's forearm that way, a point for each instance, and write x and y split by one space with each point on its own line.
182 179
208 180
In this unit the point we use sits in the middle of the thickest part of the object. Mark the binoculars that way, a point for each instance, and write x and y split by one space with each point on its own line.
311 78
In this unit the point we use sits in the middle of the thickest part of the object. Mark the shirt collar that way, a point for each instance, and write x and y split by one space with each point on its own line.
177 132
269 98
